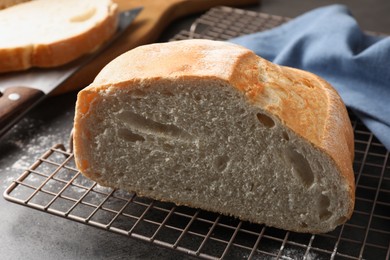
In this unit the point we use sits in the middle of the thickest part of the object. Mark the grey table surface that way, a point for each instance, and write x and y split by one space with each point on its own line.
29 234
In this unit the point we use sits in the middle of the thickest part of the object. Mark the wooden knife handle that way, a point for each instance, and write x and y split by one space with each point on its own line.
146 28
14 103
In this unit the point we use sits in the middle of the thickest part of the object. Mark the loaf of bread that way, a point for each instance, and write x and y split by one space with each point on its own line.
47 33
211 125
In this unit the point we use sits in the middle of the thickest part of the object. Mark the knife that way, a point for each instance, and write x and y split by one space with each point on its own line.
21 91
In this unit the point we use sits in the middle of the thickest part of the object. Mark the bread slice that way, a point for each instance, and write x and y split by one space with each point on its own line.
46 33
211 125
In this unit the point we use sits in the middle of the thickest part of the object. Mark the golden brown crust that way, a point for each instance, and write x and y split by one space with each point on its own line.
58 53
302 101
15 59
321 118
337 139
81 134
8 3
305 103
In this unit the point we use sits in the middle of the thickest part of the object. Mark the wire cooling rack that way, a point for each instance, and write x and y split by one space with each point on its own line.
54 185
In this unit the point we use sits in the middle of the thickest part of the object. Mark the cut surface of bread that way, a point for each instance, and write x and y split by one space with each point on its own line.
46 33
211 125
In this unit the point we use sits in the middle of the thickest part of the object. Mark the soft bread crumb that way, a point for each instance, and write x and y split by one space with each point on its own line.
63 32
84 15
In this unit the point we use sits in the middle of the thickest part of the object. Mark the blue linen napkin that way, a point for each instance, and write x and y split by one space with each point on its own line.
328 42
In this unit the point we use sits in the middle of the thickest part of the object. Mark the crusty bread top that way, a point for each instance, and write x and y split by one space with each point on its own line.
46 33
304 102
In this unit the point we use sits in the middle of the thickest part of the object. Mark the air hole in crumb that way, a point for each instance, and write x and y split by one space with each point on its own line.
129 136
323 205
301 167
168 147
137 93
221 163
150 127
242 111
165 117
176 168
188 159
303 225
166 92
265 120
285 136
197 97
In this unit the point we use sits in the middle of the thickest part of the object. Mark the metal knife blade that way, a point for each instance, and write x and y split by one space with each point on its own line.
21 91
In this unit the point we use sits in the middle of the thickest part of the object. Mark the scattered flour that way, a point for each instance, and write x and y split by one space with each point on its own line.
28 141
22 164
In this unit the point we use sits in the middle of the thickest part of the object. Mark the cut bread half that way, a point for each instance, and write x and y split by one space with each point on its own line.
46 33
211 125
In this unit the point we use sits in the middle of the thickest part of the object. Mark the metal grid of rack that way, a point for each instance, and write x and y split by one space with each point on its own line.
224 23
54 185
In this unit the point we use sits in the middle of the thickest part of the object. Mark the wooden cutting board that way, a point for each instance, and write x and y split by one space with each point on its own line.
146 28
